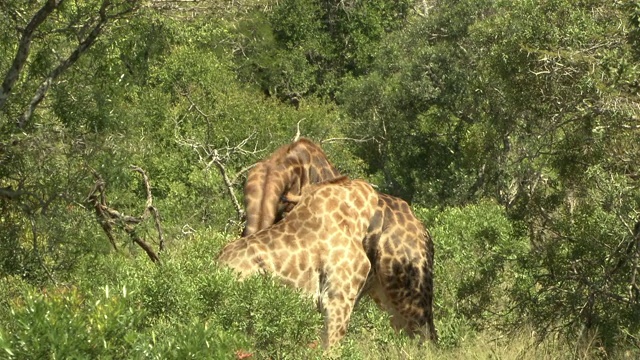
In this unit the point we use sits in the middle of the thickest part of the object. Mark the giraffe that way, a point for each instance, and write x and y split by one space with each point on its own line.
317 248
401 252
289 169
397 244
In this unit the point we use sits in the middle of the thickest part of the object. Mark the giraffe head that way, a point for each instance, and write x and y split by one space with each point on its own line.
283 174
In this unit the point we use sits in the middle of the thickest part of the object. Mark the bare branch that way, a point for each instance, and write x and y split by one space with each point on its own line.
365 139
149 208
24 46
136 239
218 155
9 194
241 172
297 137
97 198
34 234
229 186
107 216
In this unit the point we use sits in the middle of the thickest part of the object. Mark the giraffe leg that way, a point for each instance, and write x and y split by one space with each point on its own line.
409 302
405 288
341 291
379 295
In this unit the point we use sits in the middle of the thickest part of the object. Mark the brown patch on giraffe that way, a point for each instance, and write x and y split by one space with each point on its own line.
303 263
336 216
338 253
400 218
333 203
303 232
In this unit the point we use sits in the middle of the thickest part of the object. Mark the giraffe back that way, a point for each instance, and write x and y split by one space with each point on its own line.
287 171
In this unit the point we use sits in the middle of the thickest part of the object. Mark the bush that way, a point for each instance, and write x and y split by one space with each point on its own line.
476 252
185 308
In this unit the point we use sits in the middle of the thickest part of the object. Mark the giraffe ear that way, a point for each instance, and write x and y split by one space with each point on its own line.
290 198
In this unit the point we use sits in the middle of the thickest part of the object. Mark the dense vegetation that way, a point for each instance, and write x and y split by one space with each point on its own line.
126 127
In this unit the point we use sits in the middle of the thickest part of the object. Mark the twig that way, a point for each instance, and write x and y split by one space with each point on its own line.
218 155
136 239
297 137
241 172
364 139
229 186
97 198
34 233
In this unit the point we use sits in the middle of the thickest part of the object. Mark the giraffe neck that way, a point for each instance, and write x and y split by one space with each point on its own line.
287 171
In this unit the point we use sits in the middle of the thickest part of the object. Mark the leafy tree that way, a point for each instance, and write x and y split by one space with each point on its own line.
47 40
304 48
530 104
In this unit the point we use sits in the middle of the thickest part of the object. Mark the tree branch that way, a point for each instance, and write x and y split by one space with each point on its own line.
364 139
218 156
69 61
107 216
149 208
24 46
98 200
229 186
297 136
64 65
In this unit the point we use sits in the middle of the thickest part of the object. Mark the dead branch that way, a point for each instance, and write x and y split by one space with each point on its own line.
364 139
241 172
149 208
229 186
108 217
218 155
136 239
634 290
297 136
99 202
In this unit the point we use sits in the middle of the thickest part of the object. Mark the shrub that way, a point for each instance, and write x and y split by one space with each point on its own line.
185 308
476 252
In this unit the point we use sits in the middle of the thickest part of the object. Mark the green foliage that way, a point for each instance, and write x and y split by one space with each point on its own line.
165 105
477 252
304 48
582 263
186 308
66 325
530 104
